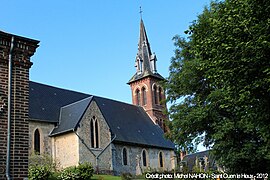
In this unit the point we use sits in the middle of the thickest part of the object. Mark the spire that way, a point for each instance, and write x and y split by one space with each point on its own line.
145 61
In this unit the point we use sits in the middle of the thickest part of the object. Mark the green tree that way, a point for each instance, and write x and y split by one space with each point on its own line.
219 85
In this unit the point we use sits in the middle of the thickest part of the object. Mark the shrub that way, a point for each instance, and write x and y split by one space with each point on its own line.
83 171
39 172
126 176
41 167
42 160
69 173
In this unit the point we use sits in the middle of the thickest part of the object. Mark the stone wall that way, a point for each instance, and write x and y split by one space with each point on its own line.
88 154
66 149
45 141
152 159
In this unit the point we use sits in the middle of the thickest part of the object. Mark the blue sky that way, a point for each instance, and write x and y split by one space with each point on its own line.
90 45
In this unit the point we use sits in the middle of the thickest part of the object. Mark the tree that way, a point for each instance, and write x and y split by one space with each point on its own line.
219 85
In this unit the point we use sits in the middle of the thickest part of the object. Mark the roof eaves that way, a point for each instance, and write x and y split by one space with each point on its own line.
144 145
61 132
43 120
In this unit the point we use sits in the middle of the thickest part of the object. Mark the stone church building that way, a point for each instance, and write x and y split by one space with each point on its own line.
74 127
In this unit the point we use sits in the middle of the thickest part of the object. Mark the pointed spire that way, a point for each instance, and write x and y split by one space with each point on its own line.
143 41
145 61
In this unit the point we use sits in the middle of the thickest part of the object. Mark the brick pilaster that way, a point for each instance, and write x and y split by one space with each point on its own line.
24 48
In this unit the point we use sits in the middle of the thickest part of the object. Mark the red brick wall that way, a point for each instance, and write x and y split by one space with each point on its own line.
23 50
155 111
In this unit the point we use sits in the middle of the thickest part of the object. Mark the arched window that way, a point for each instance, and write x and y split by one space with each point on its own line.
155 94
97 134
92 135
160 95
125 161
37 141
94 132
144 98
144 158
138 98
160 157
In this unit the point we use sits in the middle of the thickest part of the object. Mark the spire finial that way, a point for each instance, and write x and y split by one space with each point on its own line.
141 11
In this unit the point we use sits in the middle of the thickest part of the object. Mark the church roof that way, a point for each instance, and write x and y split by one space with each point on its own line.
46 101
131 124
128 122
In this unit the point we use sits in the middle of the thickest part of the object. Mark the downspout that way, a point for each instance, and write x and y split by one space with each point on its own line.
103 151
9 108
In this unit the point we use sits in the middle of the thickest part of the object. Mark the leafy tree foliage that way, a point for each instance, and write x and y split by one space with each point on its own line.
219 85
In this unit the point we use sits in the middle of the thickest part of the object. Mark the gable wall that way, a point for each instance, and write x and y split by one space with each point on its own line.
88 154
152 159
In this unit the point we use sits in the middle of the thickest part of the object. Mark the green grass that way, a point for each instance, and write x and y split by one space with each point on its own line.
105 177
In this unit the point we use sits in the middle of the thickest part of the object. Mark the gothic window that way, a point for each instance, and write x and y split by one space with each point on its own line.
94 132
144 96
160 157
97 134
155 94
160 94
125 161
138 98
37 141
92 138
144 158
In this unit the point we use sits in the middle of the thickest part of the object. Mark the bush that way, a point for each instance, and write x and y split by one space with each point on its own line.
82 172
126 176
39 172
42 160
85 170
41 167
69 173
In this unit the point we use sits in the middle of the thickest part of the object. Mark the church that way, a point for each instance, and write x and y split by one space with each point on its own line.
73 127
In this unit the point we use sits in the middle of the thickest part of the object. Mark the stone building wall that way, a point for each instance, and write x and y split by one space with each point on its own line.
45 141
88 154
66 149
152 159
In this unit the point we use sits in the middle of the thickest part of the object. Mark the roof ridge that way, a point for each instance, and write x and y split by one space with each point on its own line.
76 102
60 88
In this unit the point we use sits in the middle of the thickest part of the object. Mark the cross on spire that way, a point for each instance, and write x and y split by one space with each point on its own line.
141 11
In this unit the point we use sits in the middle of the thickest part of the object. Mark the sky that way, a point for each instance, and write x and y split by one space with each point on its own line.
90 45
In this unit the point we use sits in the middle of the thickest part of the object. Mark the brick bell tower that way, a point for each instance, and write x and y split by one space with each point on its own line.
145 84
15 53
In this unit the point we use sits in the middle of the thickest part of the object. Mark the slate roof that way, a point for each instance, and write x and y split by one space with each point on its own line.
131 124
70 116
128 122
46 101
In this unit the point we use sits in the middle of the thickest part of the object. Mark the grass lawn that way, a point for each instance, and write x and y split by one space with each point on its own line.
105 177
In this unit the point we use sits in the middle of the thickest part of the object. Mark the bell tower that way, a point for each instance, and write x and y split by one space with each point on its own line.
145 84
